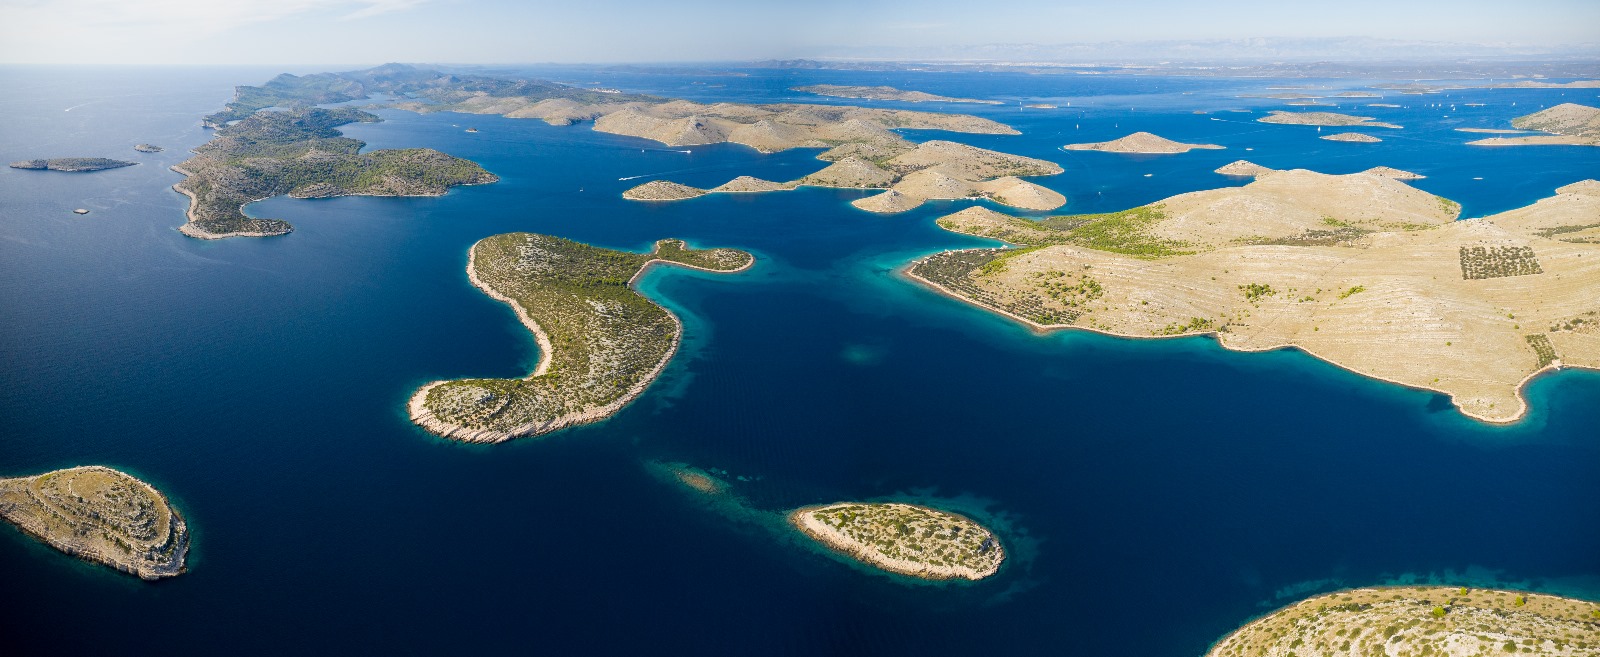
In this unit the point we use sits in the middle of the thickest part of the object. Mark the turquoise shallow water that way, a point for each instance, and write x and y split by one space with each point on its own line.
1158 492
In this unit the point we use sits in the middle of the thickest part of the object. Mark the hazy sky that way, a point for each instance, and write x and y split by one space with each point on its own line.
502 31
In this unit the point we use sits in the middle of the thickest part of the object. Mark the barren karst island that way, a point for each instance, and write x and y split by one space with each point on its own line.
910 174
1323 119
1141 142
1567 124
1361 270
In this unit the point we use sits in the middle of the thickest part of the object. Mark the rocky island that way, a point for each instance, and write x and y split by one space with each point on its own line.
72 164
148 148
1360 270
301 153
1333 119
601 343
101 515
1352 137
1244 168
905 539
1421 620
1141 142
1568 124
885 93
661 190
1248 169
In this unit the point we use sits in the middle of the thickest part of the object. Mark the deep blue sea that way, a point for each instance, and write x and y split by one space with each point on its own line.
1154 494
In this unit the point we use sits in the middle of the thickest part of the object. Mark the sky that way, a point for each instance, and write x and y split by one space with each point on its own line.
306 32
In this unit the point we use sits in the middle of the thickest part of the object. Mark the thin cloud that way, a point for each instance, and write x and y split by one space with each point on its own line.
192 16
377 7
112 31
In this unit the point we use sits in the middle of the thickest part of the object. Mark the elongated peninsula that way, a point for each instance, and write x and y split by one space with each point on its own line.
1421 620
101 515
903 538
601 342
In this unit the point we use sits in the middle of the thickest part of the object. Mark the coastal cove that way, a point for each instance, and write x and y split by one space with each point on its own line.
1170 490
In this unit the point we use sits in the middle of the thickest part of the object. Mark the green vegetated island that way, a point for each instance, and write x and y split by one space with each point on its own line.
1421 620
101 515
1360 270
886 93
904 538
1567 124
300 152
72 164
601 343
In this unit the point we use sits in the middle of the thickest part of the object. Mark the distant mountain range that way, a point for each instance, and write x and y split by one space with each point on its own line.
1252 50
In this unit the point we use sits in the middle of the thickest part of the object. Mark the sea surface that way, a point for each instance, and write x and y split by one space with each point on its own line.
1154 494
